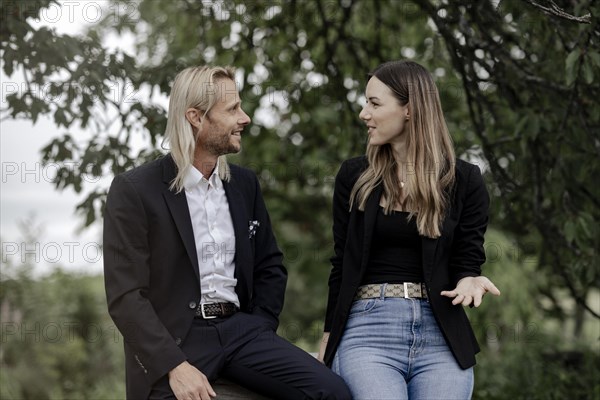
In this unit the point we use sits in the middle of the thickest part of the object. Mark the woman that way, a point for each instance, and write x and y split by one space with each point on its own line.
408 228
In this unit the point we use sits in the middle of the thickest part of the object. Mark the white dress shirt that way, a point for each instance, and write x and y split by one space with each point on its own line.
213 234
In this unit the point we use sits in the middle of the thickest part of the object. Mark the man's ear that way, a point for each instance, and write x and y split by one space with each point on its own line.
194 117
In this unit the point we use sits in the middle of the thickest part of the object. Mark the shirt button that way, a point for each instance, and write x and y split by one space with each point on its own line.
178 341
192 304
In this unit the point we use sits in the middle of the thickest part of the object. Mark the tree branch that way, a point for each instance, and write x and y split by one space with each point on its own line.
556 11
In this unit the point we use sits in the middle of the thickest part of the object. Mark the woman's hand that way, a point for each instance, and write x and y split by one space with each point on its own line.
470 290
323 346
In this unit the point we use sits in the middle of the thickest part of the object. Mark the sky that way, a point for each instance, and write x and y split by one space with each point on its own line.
27 194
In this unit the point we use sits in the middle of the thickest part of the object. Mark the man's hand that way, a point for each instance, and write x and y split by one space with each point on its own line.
471 290
187 382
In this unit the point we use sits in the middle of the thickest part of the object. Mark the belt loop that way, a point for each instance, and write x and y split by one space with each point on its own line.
382 289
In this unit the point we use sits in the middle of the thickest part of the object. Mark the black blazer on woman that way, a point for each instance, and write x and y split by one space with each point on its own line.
456 254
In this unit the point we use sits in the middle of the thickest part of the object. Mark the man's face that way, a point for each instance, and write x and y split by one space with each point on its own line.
221 130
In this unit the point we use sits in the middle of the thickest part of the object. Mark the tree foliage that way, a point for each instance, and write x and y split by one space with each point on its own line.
519 84
531 88
525 354
58 341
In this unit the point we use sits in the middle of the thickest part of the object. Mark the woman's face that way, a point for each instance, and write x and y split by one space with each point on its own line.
384 116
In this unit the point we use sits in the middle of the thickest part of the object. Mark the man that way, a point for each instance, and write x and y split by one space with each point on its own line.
194 278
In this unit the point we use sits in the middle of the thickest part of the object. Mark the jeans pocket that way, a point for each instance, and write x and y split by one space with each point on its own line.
361 307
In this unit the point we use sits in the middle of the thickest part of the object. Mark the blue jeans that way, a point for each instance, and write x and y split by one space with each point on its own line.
392 348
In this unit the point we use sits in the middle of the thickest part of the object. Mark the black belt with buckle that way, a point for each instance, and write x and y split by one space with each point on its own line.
215 310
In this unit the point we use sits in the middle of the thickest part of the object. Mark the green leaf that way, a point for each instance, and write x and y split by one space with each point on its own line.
584 227
533 127
588 72
570 230
595 57
570 68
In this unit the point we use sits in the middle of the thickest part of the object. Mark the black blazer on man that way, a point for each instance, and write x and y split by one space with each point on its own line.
151 266
456 254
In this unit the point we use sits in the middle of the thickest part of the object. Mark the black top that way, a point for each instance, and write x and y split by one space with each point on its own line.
395 255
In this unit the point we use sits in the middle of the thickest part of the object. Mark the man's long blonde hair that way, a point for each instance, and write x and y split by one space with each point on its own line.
429 169
194 87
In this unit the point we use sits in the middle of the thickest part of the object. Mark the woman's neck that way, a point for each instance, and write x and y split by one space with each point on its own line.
399 150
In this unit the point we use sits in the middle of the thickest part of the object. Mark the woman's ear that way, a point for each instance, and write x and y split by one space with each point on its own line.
194 117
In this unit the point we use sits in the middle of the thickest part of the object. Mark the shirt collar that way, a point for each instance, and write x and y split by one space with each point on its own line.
193 177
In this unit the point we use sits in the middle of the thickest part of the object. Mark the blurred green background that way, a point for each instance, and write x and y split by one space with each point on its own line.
519 83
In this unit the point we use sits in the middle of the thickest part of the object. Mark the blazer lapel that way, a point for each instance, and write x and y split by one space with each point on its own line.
243 251
178 207
429 246
371 209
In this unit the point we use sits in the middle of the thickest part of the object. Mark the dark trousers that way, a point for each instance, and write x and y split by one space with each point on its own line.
244 349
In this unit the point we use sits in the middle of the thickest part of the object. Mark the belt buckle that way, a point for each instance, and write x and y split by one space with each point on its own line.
204 312
405 290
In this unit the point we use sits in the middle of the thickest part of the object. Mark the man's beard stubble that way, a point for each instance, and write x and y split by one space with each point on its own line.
219 143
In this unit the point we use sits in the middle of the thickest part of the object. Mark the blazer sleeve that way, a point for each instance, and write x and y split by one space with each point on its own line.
127 275
467 248
270 276
341 215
